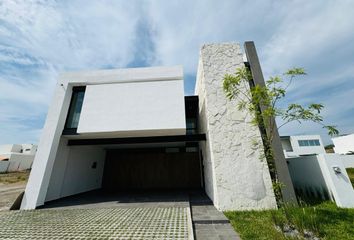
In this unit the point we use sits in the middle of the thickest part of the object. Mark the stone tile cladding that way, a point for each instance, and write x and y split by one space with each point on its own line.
236 175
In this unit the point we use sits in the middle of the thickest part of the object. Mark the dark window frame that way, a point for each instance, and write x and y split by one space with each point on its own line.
70 130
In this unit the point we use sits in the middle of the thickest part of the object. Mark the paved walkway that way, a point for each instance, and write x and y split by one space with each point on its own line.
208 222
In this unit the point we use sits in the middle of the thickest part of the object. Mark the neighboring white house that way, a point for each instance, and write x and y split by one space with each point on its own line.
315 174
344 144
301 145
128 129
16 157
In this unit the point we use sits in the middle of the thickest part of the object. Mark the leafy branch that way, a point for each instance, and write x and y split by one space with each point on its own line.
268 96
262 103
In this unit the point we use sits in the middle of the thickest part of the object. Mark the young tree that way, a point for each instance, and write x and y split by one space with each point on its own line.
262 102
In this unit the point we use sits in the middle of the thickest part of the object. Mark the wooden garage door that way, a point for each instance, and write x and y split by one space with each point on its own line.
151 169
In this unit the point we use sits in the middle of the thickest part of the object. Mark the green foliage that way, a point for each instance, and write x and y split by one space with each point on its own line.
262 103
266 97
325 221
350 172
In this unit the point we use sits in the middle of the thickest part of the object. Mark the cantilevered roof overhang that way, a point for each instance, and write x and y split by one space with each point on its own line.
135 140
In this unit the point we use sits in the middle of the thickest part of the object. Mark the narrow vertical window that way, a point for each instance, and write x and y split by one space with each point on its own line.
77 99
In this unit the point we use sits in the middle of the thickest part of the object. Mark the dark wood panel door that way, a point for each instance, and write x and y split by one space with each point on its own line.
125 170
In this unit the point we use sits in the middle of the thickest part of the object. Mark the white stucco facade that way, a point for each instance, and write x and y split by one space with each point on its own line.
151 108
344 144
236 177
52 163
311 144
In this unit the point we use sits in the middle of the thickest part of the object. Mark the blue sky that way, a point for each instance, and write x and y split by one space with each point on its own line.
40 38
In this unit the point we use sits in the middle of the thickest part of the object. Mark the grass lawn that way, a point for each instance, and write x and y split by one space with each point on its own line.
14 177
350 172
325 220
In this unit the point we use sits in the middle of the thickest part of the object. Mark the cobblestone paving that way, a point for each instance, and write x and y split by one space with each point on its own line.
109 223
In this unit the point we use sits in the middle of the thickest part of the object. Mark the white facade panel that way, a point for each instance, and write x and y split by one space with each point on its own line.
344 144
292 147
127 109
84 170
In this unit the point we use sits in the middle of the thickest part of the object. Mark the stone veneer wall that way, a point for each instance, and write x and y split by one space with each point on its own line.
236 177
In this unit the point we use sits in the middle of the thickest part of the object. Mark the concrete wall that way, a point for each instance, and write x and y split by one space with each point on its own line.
347 160
307 178
73 173
286 144
18 161
339 183
28 148
8 148
134 109
3 166
236 178
308 171
344 144
80 175
58 173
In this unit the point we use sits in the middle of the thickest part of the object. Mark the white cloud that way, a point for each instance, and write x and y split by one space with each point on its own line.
39 38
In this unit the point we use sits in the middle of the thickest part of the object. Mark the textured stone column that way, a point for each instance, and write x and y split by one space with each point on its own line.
236 176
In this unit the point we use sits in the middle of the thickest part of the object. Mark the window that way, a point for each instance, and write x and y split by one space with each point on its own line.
311 142
191 125
77 99
192 112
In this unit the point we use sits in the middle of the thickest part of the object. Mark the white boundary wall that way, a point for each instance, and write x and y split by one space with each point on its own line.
343 144
310 169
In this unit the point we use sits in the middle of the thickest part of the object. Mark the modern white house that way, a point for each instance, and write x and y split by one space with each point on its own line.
16 157
134 129
302 145
344 144
317 175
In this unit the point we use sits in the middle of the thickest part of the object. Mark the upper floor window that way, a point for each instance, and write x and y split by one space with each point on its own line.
77 99
307 143
191 126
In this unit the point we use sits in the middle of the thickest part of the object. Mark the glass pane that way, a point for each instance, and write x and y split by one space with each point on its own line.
191 131
312 142
317 143
301 143
191 123
306 143
75 110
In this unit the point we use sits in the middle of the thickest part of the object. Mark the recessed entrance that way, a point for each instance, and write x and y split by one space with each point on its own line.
151 169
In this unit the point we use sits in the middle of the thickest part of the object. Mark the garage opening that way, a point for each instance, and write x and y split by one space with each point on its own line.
170 168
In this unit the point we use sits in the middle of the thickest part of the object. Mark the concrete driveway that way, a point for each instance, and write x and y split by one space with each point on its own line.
95 216
97 223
